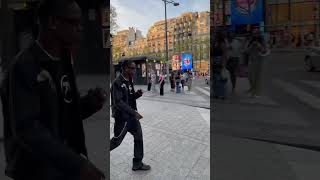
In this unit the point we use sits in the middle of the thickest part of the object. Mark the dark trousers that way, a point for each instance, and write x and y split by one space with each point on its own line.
161 89
149 86
134 128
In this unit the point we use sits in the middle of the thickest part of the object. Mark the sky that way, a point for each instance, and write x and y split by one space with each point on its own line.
142 14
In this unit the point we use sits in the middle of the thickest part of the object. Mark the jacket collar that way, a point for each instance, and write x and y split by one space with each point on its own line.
41 54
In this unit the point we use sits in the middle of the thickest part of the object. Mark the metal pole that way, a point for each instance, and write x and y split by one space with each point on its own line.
200 54
166 29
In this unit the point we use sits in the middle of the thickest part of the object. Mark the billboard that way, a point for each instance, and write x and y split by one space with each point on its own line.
186 61
176 62
246 12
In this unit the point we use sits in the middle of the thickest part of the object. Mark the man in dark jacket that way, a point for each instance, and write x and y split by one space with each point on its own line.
124 110
42 108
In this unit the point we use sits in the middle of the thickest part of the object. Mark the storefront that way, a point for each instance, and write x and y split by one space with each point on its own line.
145 66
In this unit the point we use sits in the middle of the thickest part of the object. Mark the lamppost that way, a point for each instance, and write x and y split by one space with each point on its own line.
166 31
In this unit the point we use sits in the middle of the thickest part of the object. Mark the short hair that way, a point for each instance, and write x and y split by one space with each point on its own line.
49 8
126 63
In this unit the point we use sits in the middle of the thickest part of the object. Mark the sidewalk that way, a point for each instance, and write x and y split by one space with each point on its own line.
186 97
176 143
243 117
241 97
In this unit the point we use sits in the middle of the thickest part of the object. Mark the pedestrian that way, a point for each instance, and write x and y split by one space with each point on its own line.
125 113
257 51
234 52
42 108
149 81
178 81
153 81
183 81
219 62
172 81
190 77
161 83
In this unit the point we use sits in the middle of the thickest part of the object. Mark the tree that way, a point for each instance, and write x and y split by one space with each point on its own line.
113 20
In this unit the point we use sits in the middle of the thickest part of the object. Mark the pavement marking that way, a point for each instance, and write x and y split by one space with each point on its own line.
303 96
203 91
315 84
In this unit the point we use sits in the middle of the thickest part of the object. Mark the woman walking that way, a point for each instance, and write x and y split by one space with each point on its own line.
257 51
234 52
161 82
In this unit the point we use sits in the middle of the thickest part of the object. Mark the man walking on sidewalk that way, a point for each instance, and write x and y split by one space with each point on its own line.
124 111
42 108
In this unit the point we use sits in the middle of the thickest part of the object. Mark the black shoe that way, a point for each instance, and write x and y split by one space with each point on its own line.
143 167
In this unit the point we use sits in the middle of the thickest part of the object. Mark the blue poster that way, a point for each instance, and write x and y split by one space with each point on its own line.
246 12
186 61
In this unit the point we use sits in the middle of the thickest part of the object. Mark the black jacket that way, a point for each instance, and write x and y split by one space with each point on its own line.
36 142
123 99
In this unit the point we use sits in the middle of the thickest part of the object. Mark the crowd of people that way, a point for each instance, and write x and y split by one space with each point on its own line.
230 55
178 81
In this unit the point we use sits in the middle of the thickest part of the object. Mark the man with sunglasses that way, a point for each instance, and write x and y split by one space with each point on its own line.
124 111
42 108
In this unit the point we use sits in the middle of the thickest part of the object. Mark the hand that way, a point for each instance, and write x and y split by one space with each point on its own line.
99 96
138 116
140 92
90 172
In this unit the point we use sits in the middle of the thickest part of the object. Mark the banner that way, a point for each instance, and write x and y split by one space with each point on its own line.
246 12
176 62
186 61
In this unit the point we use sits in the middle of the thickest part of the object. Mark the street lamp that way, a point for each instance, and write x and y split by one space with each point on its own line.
166 31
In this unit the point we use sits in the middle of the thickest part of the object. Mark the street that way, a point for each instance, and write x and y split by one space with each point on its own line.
176 130
287 115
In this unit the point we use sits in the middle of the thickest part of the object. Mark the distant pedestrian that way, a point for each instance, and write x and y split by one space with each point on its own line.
190 78
153 81
257 51
124 111
172 81
161 83
149 81
219 63
183 81
234 52
178 81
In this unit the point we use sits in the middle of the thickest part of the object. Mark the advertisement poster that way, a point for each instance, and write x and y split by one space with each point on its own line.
246 11
143 68
186 61
176 62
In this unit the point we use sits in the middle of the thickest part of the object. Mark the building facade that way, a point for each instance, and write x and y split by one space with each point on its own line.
290 23
188 33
